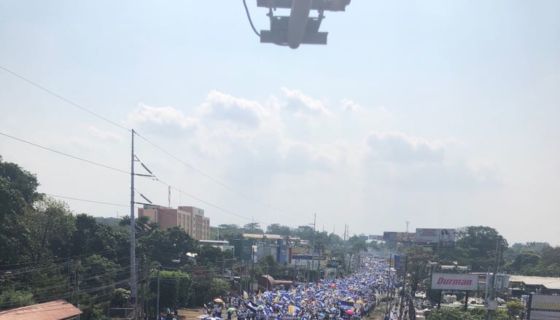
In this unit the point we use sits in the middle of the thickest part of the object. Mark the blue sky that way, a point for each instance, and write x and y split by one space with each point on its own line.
441 113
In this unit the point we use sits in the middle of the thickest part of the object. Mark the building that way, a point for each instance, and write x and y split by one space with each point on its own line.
258 246
521 285
439 236
190 219
54 310
199 226
393 237
223 245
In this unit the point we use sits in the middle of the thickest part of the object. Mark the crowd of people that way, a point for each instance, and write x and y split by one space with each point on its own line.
351 297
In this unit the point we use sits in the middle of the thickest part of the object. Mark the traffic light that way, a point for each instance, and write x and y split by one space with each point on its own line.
327 5
299 27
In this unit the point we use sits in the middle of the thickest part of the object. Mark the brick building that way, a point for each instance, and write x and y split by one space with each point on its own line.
190 219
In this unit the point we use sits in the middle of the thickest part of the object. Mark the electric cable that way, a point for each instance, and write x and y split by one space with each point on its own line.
249 18
87 200
63 153
59 96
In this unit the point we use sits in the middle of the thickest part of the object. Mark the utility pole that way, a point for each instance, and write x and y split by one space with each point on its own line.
157 299
490 302
403 291
312 247
78 289
169 196
133 280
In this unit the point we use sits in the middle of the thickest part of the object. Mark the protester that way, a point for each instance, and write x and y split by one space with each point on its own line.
351 297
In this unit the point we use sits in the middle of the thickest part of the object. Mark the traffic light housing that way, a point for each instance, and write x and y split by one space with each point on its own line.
299 27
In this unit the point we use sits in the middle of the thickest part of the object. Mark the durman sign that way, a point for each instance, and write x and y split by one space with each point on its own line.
453 281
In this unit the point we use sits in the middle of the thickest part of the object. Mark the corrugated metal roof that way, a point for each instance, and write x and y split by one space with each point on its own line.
268 236
54 310
547 282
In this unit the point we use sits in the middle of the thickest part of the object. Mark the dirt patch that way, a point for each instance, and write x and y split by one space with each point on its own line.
191 314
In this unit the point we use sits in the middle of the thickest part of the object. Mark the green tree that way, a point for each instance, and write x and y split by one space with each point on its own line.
175 288
476 247
167 247
357 244
201 288
230 232
50 226
276 228
515 308
417 259
121 296
91 237
97 278
304 232
524 263
253 227
218 288
210 256
18 192
11 298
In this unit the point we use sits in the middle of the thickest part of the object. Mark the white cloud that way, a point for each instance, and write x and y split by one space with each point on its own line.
298 157
104 135
399 160
161 116
251 138
304 105
221 106
398 147
349 105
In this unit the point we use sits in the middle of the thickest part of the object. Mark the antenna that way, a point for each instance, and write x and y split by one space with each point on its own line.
169 196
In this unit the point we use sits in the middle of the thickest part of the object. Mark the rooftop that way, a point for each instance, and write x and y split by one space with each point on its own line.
54 310
267 236
547 282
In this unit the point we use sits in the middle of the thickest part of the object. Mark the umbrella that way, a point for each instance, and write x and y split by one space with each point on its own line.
349 312
231 309
218 300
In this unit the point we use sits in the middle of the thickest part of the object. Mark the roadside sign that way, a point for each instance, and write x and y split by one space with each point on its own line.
455 281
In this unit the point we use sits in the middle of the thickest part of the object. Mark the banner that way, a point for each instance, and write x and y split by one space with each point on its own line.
435 235
544 307
454 281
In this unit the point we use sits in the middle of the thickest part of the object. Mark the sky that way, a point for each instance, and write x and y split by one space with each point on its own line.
439 113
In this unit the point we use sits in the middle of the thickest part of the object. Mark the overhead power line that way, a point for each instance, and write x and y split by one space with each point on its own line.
156 178
116 124
63 153
205 201
87 200
61 97
222 184
101 117
201 172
